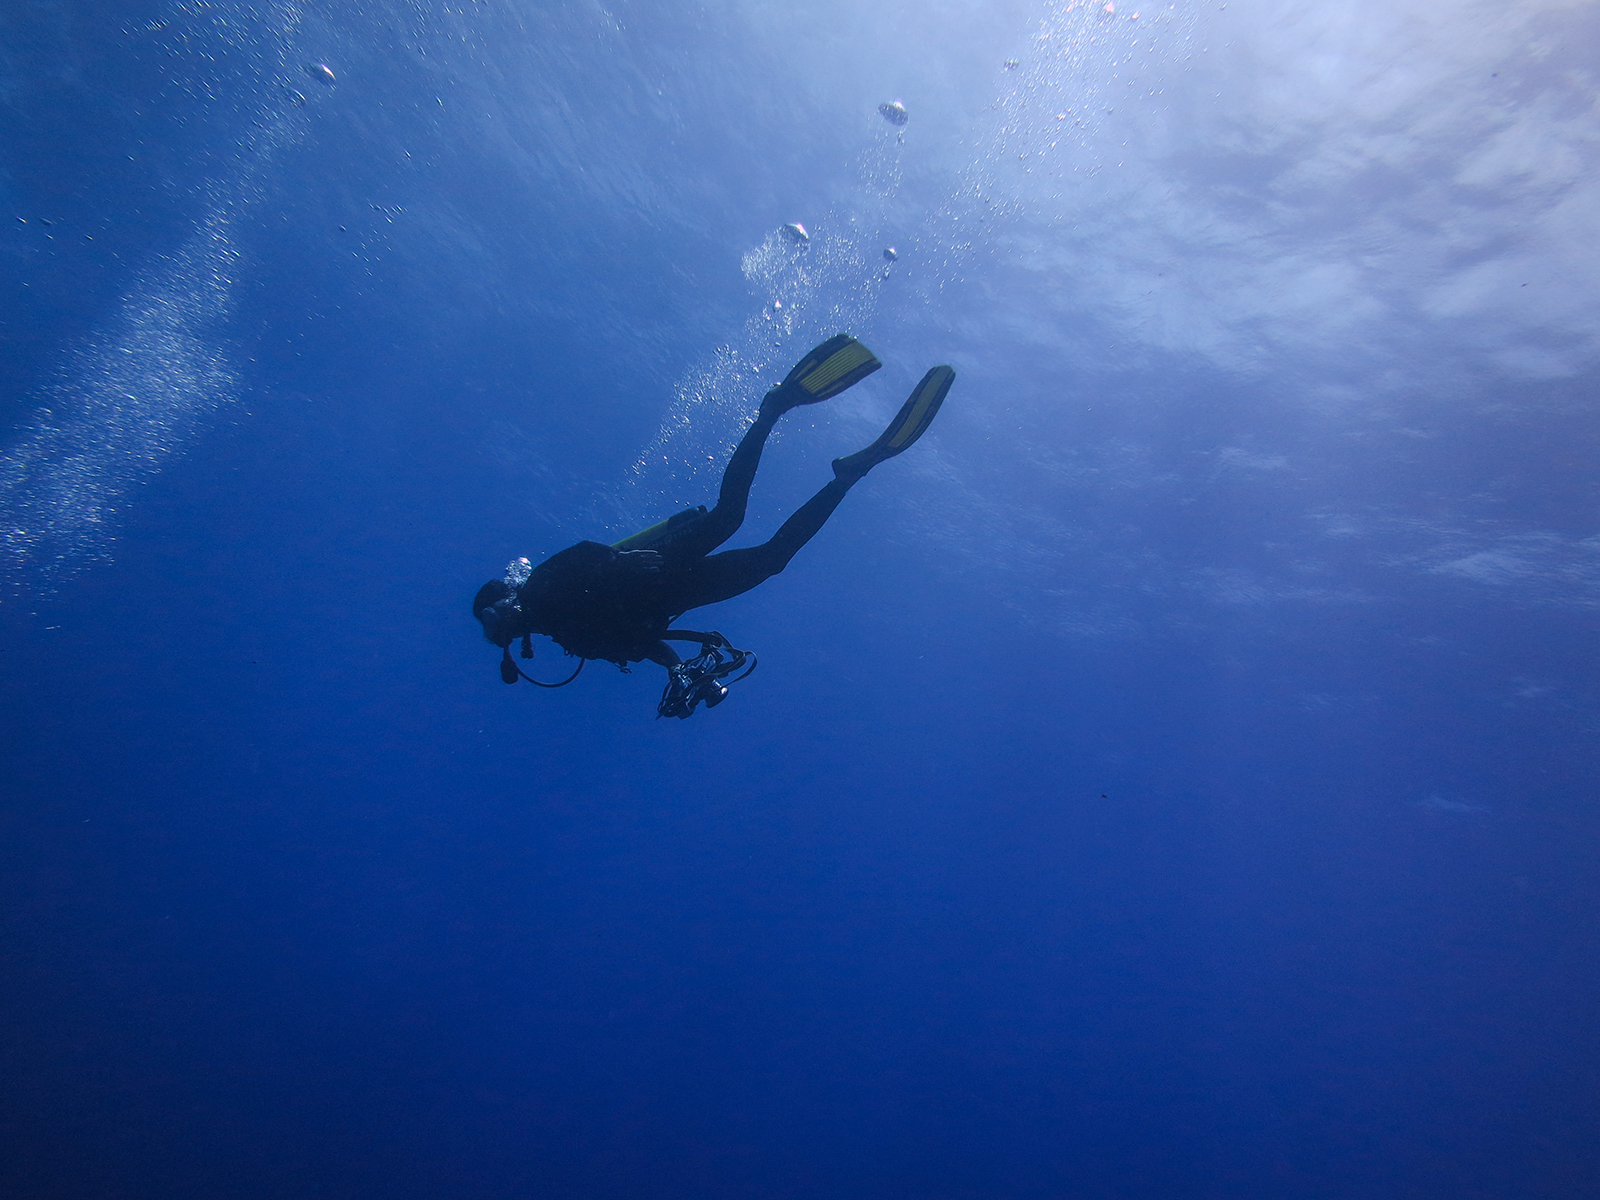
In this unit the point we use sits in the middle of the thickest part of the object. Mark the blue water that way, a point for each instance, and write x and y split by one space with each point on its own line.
1173 777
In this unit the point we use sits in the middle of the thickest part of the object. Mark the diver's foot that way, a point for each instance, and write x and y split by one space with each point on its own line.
838 363
910 423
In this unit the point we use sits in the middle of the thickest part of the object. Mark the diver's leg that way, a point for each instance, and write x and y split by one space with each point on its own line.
803 525
826 370
720 524
723 576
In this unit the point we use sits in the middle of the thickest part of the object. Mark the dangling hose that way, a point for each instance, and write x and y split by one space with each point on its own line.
689 684
509 672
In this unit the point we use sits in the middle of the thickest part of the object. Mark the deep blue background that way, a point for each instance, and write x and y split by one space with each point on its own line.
1097 824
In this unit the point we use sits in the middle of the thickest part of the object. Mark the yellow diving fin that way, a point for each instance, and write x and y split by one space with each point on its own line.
910 423
839 363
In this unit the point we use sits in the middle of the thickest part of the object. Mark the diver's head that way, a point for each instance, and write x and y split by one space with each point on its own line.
495 606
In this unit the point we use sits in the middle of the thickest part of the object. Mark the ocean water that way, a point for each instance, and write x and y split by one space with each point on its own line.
1173 777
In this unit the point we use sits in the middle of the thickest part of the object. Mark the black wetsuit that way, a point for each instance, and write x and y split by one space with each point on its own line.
599 602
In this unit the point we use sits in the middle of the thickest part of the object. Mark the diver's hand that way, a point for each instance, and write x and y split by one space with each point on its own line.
639 562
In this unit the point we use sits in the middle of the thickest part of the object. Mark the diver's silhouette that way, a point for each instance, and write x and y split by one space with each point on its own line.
618 602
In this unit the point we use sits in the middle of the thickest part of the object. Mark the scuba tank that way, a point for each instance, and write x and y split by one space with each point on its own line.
663 533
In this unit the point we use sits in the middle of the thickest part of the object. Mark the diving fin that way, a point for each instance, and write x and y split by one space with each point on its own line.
910 423
839 363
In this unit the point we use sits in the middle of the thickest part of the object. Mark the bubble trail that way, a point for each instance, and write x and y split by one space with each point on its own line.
126 402
145 383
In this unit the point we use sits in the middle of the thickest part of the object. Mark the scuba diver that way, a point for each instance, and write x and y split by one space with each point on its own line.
618 602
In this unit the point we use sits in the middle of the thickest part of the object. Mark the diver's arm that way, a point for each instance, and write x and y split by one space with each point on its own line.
663 654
